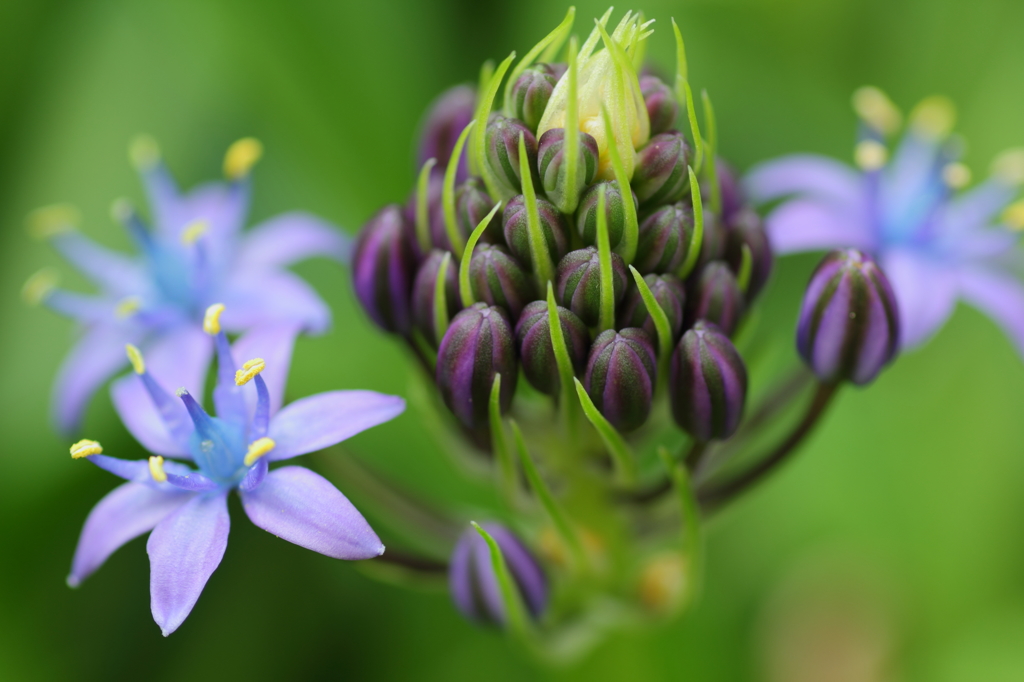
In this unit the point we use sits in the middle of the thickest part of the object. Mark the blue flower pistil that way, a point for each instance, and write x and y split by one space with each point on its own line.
185 505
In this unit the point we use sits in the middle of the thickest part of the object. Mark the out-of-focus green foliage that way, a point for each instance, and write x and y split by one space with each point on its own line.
919 477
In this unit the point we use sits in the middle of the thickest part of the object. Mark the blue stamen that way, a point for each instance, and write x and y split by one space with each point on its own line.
261 420
217 446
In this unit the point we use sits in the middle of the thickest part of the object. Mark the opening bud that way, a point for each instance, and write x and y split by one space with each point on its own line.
620 376
718 298
668 292
662 108
664 239
515 225
615 211
661 174
578 283
533 335
551 163
499 279
708 383
382 270
501 146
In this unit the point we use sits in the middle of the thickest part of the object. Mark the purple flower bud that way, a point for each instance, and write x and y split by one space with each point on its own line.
423 293
708 383
664 239
515 225
578 283
536 351
661 174
531 92
718 298
501 146
668 292
716 234
615 211
474 585
747 229
472 204
849 322
444 121
477 345
499 279
382 269
729 188
662 108
620 376
550 163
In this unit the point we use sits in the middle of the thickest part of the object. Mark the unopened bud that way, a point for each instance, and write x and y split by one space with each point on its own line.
382 270
423 293
500 280
708 383
662 107
664 239
578 285
515 226
614 208
531 92
533 334
472 204
551 162
668 292
718 298
501 145
661 174
620 376
445 119
747 230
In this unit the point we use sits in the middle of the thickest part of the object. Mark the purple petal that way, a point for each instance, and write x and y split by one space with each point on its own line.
304 508
913 172
137 470
926 294
126 512
254 299
808 225
273 343
184 550
117 273
814 177
318 421
976 208
999 296
93 360
289 238
81 307
222 206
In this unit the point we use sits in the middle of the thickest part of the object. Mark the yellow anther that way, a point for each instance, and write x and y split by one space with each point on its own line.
248 371
1009 166
871 155
877 110
934 116
211 320
84 448
1013 216
663 582
193 231
257 449
135 356
241 157
144 152
156 469
956 175
39 286
49 221
128 306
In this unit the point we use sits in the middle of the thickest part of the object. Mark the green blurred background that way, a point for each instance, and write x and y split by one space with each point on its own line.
893 543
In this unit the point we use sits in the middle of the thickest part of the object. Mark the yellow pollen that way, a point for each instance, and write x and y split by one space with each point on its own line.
241 157
248 371
956 175
871 155
84 448
1009 166
128 306
257 449
1013 216
193 231
135 356
49 221
156 469
211 320
934 116
144 152
39 286
877 110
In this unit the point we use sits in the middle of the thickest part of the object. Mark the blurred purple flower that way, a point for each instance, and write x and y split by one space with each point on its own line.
186 508
195 255
937 245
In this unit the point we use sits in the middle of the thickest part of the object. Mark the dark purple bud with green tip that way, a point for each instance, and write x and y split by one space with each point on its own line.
664 239
668 292
707 384
501 152
662 108
531 92
382 269
614 208
515 226
472 204
551 165
533 334
423 293
620 376
444 121
578 283
661 174
849 321
478 344
717 297
498 279
747 230
474 584
729 189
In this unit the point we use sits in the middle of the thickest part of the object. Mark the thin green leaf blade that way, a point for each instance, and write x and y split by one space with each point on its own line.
543 269
616 445
697 240
465 288
514 610
448 192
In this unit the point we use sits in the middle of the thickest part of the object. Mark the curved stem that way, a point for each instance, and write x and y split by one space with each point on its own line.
714 496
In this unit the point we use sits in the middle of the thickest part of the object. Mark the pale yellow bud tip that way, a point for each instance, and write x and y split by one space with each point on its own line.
1009 166
257 449
49 221
194 231
956 175
135 356
871 155
1013 216
934 116
156 469
39 286
241 157
877 110
84 448
248 371
211 320
144 152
